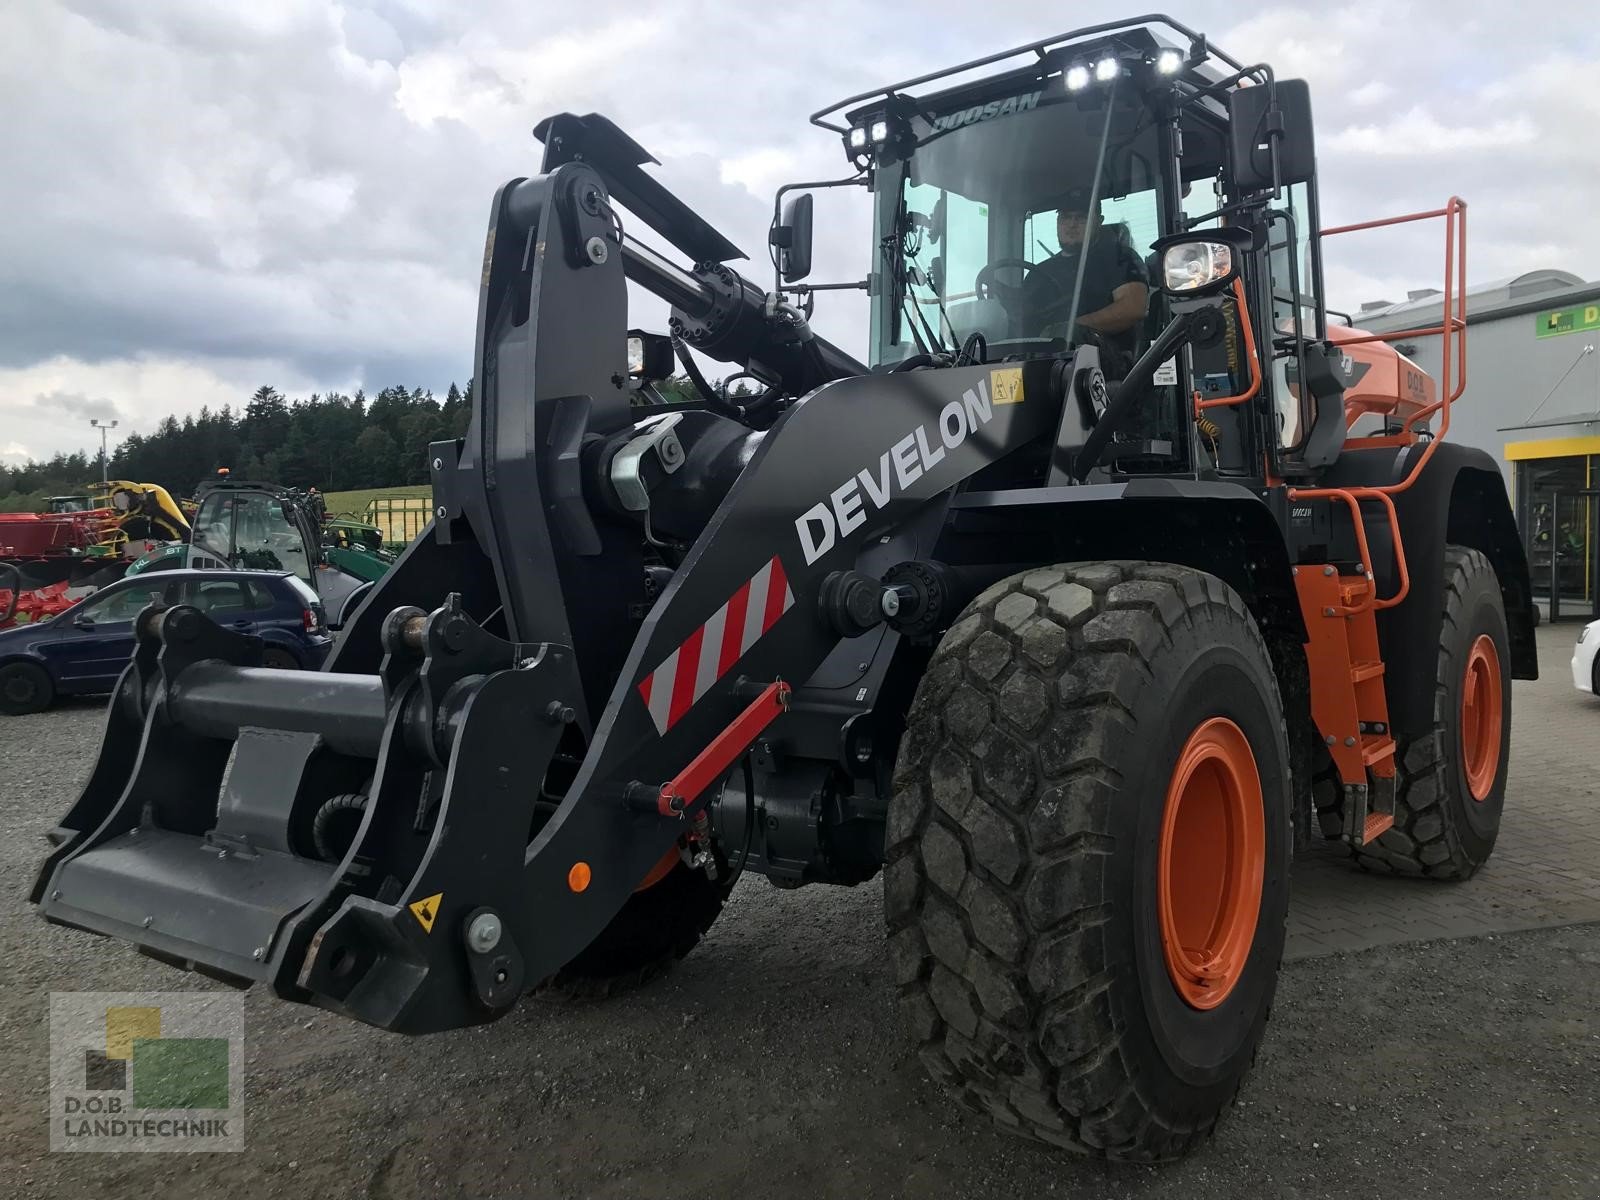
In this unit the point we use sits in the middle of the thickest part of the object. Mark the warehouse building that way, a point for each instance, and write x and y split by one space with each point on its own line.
1533 402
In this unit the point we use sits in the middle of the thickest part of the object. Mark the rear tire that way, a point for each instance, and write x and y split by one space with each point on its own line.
1452 779
24 688
1038 839
279 659
653 930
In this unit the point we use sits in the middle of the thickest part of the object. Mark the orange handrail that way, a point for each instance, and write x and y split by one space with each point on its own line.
1353 497
1452 332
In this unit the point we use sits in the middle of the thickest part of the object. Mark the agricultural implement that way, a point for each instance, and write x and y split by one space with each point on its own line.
81 543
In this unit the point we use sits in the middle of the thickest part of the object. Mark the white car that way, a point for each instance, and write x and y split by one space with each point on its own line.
1585 673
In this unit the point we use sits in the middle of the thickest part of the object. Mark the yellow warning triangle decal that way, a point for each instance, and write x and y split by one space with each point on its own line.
425 910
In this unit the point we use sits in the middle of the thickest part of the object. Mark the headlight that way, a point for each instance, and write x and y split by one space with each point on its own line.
1168 62
1077 78
858 137
1583 634
1195 266
1107 69
649 356
880 131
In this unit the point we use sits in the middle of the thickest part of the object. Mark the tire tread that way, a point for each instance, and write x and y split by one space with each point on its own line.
966 942
1424 841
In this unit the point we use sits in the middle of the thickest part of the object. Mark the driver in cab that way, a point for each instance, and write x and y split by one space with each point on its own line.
1115 283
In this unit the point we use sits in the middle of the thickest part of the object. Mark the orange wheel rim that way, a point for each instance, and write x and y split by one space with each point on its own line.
1212 863
1482 717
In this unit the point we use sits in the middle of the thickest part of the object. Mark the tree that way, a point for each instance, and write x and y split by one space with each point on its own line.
378 456
329 441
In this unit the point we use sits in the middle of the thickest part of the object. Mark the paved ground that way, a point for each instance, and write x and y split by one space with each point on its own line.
1546 865
771 1062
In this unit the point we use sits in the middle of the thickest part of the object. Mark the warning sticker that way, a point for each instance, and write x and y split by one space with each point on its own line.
425 910
1005 385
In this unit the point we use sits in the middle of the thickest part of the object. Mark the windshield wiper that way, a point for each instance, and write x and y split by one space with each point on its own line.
944 316
896 249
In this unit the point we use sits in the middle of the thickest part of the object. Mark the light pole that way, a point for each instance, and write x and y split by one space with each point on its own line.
104 427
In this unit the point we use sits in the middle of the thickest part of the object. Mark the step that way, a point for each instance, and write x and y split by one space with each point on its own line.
1377 824
1362 671
1375 750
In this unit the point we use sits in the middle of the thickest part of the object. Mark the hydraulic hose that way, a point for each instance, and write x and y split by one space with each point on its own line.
692 370
334 827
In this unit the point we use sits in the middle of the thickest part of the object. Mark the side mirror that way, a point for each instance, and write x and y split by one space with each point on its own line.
792 237
1258 114
83 621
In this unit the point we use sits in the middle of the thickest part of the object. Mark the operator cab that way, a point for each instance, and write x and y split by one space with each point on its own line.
1022 216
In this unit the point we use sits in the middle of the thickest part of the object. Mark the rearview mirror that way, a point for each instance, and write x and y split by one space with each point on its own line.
1253 113
792 237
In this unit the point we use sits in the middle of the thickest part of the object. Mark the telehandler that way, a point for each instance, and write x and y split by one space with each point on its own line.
1071 624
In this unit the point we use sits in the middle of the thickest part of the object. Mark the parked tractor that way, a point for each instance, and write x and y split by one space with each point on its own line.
1116 573
263 526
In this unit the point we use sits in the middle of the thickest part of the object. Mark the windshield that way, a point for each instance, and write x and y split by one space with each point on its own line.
251 530
1035 224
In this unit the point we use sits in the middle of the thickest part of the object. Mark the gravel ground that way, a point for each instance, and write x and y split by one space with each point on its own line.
771 1062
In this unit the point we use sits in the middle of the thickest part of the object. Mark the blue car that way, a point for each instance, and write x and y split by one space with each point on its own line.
82 651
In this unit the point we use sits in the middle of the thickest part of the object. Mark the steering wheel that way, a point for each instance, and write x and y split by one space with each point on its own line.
1010 295
1057 299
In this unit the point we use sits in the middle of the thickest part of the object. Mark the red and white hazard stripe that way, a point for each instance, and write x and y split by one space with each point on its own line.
707 654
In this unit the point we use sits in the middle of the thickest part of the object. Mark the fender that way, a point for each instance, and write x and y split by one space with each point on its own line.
1460 498
1222 528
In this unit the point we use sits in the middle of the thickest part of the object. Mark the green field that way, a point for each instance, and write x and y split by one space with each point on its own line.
356 502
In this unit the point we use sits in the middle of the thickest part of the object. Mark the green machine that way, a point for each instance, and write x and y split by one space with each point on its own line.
262 526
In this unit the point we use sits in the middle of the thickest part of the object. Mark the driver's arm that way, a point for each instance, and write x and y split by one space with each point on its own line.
1126 310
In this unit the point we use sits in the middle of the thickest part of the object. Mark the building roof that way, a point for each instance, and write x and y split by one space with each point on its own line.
1531 291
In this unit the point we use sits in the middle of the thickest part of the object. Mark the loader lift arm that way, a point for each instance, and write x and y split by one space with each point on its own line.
431 708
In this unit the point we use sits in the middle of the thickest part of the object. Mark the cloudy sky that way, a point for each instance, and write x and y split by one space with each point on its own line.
199 198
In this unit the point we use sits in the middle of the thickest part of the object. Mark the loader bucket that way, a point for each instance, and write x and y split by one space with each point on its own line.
208 833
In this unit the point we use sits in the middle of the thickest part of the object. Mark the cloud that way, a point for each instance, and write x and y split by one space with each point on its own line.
1374 92
75 404
1417 133
46 407
205 197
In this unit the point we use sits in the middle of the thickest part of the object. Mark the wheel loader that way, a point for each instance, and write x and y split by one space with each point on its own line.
1116 574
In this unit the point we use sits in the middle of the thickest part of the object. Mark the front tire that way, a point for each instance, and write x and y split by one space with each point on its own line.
24 688
661 922
1089 844
1452 779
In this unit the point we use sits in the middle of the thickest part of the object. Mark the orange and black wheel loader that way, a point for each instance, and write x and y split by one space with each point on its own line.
1115 572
